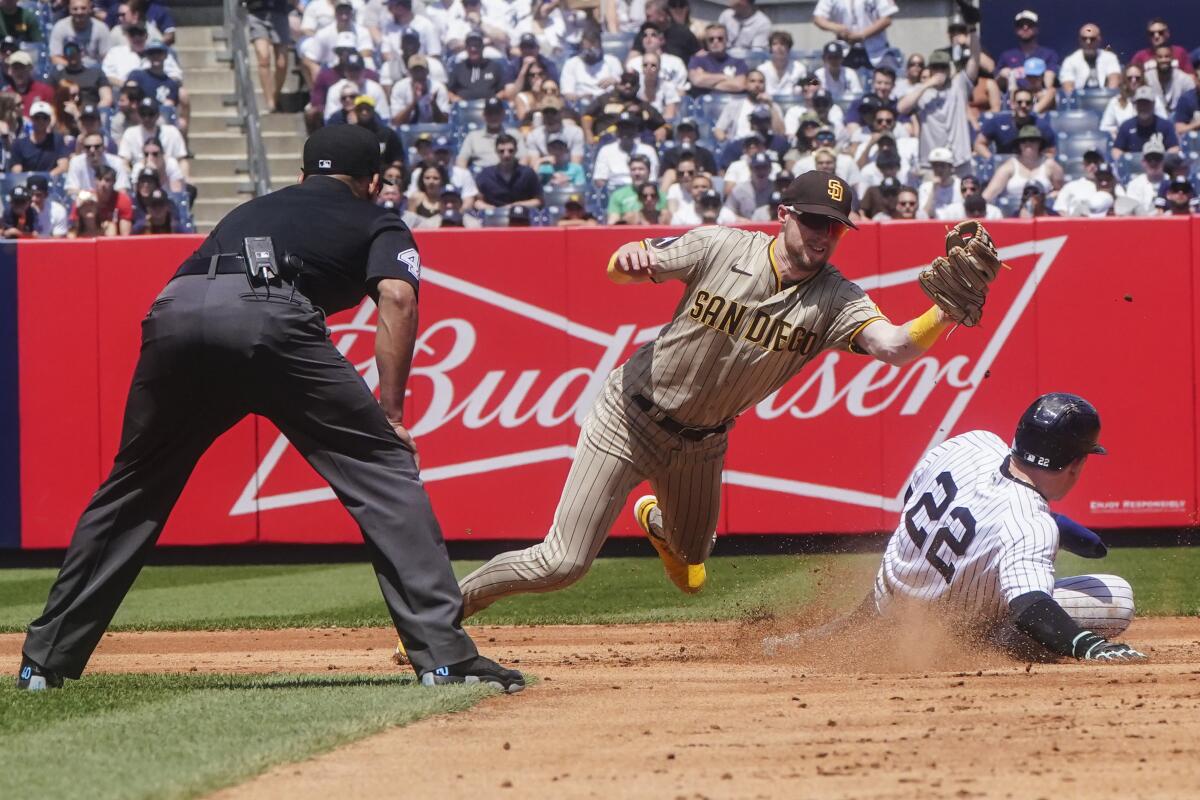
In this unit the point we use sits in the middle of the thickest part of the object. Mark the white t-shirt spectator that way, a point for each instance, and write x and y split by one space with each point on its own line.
119 61
846 83
583 80
1077 70
735 117
431 42
686 214
135 136
791 120
402 96
320 47
612 164
1144 192
783 83
1072 193
93 43
630 15
671 69
508 14
319 13
372 89
746 34
942 195
846 168
561 31
81 176
460 179
571 134
857 15
1115 114
52 220
174 174
955 212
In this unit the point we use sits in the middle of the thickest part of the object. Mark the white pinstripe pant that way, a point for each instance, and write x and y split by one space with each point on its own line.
619 447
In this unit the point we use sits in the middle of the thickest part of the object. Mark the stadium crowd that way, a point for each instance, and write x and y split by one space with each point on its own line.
580 112
93 120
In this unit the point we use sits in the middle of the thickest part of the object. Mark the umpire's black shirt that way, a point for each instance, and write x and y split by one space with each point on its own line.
347 244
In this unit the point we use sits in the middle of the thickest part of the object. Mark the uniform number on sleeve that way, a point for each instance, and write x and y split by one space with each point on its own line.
935 510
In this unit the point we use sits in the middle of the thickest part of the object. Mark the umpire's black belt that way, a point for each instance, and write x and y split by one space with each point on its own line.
675 426
223 264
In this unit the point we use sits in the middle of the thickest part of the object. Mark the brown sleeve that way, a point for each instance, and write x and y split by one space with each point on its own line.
681 258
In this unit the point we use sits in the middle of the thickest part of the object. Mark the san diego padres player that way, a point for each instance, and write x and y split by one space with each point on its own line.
977 540
755 309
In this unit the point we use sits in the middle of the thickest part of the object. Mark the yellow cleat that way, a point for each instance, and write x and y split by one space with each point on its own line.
400 656
689 578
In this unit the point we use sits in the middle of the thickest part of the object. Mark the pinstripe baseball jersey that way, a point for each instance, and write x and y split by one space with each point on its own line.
970 535
738 333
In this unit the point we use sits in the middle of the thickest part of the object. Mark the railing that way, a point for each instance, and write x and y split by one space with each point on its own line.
235 36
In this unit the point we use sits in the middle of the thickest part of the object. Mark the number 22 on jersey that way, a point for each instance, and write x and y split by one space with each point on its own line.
940 511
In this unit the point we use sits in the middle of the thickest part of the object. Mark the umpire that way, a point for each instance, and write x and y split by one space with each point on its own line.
240 329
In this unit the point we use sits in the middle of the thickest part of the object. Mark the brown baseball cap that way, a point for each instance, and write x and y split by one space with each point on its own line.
823 193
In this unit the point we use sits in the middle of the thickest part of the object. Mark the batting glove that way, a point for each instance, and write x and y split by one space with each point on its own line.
1090 646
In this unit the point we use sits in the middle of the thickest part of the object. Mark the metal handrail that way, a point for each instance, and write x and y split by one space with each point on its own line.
235 36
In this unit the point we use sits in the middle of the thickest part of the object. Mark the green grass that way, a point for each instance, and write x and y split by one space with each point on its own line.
170 736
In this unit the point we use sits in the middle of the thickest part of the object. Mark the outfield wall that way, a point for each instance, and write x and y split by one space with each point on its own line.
518 329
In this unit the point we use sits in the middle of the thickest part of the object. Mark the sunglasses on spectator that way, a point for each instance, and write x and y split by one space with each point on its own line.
93 147
1088 38
687 172
149 153
649 65
1022 101
885 120
1026 24
536 73
714 38
649 195
505 151
1133 76
1157 31
906 204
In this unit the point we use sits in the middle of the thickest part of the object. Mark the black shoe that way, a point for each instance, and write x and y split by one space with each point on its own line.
476 670
33 678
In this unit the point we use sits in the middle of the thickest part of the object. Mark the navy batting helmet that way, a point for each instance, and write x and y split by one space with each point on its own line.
1057 429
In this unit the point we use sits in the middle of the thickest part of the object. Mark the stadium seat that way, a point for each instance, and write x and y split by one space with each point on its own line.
849 102
183 204
557 195
1075 146
755 57
494 218
409 133
1129 165
1094 100
1075 122
617 44
550 215
982 168
1007 205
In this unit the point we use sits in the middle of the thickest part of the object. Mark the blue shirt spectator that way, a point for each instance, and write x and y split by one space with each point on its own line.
1010 66
716 70
41 150
1186 110
507 182
1135 132
1001 131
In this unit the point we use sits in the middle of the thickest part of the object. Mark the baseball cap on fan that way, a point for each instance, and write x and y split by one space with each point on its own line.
821 193
342 150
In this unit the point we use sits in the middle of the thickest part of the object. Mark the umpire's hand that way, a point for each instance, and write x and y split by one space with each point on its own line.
407 440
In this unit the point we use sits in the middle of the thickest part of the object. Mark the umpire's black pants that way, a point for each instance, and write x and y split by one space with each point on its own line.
213 351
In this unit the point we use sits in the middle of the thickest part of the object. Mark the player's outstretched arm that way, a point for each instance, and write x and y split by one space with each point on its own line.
632 263
902 344
1037 614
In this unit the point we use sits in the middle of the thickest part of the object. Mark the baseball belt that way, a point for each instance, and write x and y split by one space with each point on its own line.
675 426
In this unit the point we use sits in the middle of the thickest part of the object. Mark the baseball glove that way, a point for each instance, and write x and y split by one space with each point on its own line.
958 281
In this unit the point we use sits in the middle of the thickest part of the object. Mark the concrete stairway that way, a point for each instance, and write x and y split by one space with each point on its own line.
216 137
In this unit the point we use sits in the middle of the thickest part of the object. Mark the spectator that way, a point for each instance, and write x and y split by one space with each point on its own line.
887 164
883 127
1091 66
94 88
611 167
999 134
825 159
688 211
650 210
591 73
817 102
748 27
318 96
711 210
395 62
1082 187
677 191
1168 83
441 152
19 22
20 217
969 186
508 182
556 28
655 91
735 120
317 50
391 149
837 79
672 72
878 202
675 24
145 181
155 82
575 214
65 119
1158 32
1187 113
517 216
1180 199
22 82
1146 187
51 214
529 92
529 56
42 150
403 20
940 102
452 208
418 98
1121 107
1033 202
270 34
476 77
627 199
686 146
942 189
433 179
89 34
114 210
153 16
170 176
479 147
860 25
600 117
81 169
84 220
122 59
975 207
913 68
1036 81
357 83
715 70
90 122
1144 126
878 96
958 49
161 216
748 195
763 122
151 127
782 72
391 197
557 169
906 204
1012 63
537 142
1029 164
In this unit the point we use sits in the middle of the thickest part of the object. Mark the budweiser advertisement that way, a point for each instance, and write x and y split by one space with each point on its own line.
520 327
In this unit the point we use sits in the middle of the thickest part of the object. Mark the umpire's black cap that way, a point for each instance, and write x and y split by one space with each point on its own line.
823 193
1057 429
342 150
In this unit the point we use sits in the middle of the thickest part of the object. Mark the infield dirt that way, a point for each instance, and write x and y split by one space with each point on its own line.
694 711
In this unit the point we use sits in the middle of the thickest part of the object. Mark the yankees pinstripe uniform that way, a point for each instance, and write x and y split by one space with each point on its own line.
737 335
972 538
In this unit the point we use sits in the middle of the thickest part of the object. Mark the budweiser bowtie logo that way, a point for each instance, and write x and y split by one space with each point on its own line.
500 383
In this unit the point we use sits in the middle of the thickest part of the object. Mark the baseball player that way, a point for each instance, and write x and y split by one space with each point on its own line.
977 540
755 309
